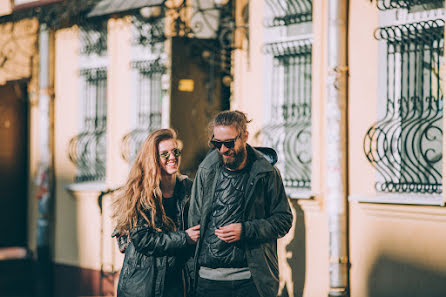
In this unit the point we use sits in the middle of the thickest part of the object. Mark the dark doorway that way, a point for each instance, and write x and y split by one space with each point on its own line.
197 94
13 164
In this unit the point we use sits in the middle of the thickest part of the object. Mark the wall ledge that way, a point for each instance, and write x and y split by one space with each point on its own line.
78 190
299 193
406 198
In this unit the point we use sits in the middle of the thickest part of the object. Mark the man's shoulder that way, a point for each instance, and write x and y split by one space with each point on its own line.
259 163
210 160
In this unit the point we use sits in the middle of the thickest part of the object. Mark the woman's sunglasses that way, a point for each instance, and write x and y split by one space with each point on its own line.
228 143
166 155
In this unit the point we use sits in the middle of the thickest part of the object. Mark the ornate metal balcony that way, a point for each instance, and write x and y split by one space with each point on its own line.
88 149
284 13
149 105
409 4
289 131
405 145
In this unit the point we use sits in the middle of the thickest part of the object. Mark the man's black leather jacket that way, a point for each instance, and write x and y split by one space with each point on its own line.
267 216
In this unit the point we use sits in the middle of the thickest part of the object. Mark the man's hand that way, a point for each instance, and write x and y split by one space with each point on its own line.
193 234
230 233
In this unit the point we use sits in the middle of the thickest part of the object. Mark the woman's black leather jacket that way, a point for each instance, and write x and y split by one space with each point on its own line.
154 261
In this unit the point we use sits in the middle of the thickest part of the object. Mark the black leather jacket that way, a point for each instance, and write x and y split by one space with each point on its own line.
154 260
267 216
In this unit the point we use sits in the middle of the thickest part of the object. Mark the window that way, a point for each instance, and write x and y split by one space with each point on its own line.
288 54
148 106
88 149
405 144
148 69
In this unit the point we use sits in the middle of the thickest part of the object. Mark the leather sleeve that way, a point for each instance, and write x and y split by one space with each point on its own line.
150 242
195 205
280 219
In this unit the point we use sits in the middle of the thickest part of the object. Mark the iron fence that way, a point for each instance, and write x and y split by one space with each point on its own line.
149 106
88 149
405 146
289 130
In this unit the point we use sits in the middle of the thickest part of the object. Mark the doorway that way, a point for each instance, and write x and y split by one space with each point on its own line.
13 164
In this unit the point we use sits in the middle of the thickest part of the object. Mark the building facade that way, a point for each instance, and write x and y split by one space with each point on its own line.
350 96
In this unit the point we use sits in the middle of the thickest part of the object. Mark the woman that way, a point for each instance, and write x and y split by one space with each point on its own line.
151 212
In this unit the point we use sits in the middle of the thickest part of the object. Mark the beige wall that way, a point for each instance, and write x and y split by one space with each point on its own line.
303 252
5 7
248 76
66 125
78 219
395 250
363 84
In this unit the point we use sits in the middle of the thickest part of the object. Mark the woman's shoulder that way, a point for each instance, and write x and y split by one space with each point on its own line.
185 182
184 179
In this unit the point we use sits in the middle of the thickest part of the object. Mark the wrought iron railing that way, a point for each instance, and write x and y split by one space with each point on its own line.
408 4
88 149
283 13
93 36
148 33
149 105
289 131
405 146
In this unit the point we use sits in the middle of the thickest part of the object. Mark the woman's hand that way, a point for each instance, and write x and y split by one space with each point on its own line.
193 234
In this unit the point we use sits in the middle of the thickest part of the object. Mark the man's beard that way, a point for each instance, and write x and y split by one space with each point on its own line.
235 161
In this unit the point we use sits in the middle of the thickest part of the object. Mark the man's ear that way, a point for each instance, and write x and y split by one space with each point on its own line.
245 136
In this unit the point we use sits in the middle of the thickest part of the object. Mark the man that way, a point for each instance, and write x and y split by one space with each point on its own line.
239 199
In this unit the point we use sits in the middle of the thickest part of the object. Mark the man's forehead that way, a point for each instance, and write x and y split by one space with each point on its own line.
225 132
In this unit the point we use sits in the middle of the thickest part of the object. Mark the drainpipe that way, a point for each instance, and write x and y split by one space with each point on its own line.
44 174
336 145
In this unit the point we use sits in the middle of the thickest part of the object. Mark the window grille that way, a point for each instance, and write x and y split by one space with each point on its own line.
409 4
405 146
148 33
149 106
93 37
88 149
283 13
289 130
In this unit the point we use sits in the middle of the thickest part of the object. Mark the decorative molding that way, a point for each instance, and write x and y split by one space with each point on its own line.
88 189
18 46
407 212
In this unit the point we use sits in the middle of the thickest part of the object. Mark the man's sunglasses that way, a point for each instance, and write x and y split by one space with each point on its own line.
166 155
228 143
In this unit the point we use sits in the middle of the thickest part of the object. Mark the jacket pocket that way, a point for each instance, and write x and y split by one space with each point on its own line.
136 281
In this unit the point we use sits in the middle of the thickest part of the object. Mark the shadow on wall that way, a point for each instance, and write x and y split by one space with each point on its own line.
296 254
391 277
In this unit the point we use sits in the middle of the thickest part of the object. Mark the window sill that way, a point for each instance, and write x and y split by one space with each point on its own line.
400 198
78 190
295 193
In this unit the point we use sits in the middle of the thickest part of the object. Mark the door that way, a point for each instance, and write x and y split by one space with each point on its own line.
13 164
197 95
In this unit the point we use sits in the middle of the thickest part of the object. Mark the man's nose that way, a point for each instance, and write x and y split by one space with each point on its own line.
223 148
